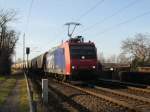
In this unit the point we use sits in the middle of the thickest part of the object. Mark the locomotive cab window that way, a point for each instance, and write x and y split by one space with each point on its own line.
88 51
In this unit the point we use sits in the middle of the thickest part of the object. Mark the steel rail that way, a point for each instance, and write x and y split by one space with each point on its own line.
106 98
124 94
142 90
125 83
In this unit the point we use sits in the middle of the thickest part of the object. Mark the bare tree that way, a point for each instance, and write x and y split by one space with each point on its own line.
8 39
112 59
123 59
138 48
101 57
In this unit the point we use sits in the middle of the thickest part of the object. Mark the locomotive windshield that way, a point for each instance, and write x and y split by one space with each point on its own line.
79 51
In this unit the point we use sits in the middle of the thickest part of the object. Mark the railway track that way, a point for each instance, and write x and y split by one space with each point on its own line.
138 90
118 101
132 95
141 103
82 98
125 83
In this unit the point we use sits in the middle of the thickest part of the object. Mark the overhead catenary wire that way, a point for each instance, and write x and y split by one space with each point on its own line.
90 10
26 30
29 15
110 16
124 22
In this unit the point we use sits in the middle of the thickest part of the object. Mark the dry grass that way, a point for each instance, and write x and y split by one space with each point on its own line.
6 88
2 78
24 103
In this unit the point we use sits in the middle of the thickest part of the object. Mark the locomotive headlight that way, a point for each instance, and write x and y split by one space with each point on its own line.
93 67
73 67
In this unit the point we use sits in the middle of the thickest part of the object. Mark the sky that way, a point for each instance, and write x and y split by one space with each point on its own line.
105 22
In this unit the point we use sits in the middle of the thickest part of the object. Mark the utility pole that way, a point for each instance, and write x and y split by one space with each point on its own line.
15 60
73 24
23 50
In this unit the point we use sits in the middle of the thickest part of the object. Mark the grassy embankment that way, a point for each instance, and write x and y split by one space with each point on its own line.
24 103
6 86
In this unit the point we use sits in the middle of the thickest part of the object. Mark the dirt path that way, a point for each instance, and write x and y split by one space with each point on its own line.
12 102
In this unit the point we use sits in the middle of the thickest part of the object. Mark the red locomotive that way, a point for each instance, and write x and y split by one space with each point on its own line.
72 59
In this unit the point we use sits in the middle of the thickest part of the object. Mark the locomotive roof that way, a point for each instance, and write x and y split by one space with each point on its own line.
79 40
84 43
